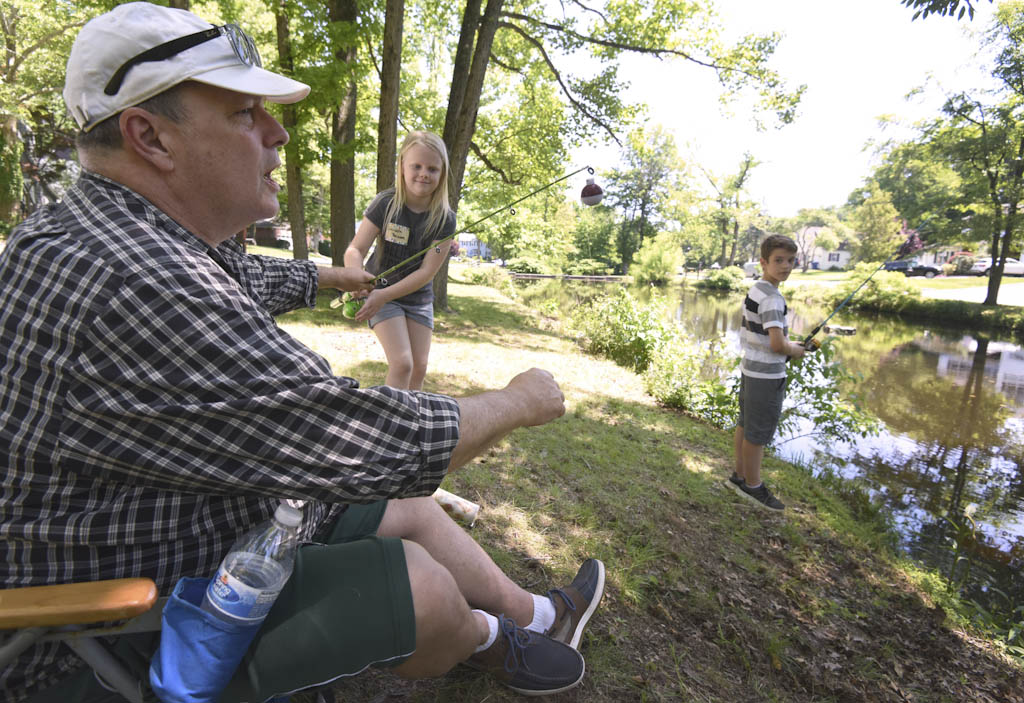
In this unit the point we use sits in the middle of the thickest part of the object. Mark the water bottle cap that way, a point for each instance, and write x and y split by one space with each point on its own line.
287 515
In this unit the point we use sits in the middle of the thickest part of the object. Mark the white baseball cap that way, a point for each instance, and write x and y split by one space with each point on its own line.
113 42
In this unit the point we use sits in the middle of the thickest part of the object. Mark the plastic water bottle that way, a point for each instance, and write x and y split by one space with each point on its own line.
255 569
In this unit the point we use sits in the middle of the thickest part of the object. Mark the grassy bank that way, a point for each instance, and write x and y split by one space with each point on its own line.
708 599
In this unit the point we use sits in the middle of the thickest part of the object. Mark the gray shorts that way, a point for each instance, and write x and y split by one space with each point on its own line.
422 313
760 407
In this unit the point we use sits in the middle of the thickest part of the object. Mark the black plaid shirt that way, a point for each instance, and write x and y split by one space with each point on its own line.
151 410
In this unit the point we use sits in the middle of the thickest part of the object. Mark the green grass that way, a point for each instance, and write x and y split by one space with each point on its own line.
708 598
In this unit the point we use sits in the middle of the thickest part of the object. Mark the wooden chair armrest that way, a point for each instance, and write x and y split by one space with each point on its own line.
75 603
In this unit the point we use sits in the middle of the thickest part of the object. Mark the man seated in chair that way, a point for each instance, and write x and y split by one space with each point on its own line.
151 411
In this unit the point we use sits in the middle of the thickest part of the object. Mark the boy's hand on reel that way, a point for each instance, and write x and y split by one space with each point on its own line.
811 344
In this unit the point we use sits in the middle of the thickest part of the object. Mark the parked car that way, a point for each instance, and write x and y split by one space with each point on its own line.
912 267
983 266
902 265
752 269
926 270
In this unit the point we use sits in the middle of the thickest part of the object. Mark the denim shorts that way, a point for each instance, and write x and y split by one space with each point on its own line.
422 313
760 407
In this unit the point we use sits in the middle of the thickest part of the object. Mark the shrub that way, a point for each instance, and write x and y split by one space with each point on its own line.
821 397
622 329
887 290
729 278
694 376
522 264
657 261
588 267
493 276
961 264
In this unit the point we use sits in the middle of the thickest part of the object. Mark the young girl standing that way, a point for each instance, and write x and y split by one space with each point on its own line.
404 220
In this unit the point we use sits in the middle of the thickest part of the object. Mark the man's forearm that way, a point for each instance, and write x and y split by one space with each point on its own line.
485 419
531 398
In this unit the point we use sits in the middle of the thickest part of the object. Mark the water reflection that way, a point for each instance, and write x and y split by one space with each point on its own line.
947 466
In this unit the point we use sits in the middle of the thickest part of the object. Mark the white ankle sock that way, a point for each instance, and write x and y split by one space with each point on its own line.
492 623
753 487
543 614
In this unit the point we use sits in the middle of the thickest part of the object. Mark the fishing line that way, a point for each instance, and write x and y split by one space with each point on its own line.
909 247
381 278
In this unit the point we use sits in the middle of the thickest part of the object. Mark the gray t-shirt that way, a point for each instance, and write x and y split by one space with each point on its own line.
404 236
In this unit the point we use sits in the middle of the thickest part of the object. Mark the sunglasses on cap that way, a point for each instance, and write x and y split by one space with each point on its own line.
241 43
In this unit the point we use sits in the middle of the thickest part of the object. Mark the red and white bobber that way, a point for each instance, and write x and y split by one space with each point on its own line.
591 194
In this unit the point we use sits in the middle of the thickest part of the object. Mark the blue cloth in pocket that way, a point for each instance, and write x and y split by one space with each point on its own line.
198 652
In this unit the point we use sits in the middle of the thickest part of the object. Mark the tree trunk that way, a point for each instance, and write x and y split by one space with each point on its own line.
11 183
390 81
343 132
735 241
179 4
293 160
458 136
458 149
460 72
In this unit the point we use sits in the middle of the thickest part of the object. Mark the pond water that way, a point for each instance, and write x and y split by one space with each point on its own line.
947 466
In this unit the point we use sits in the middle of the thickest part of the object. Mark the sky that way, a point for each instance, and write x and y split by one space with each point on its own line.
858 58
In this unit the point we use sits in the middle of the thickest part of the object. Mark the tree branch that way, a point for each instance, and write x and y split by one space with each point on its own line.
558 77
27 51
658 52
507 67
501 173
589 9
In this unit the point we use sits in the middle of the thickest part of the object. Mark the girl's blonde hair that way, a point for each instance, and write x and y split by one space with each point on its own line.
439 208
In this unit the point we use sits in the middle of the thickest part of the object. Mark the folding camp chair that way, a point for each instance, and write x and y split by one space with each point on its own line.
77 614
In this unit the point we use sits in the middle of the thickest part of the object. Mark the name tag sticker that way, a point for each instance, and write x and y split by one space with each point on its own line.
399 234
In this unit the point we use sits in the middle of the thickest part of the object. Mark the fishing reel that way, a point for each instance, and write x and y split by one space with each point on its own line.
349 305
811 344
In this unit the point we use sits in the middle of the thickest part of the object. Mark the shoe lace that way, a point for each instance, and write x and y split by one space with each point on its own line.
518 639
565 597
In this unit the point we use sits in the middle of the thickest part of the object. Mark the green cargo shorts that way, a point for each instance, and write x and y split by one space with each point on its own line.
347 606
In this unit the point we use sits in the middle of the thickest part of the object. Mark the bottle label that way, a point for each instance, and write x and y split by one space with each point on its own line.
238 600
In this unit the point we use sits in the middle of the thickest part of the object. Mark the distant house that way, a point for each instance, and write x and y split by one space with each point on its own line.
472 247
819 258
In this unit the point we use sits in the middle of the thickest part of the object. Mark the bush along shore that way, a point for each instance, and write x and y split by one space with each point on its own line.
708 597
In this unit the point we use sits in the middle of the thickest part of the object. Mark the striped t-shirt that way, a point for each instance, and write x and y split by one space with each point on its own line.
763 308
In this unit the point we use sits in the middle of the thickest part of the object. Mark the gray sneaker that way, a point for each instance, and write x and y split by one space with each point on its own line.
575 603
528 662
762 496
736 481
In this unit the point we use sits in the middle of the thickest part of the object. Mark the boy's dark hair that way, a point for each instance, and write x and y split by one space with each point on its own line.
107 134
777 241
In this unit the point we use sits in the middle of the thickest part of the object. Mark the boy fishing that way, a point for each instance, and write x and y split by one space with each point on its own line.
766 347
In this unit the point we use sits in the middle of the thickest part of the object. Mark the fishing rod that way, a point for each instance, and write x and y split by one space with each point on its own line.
589 198
911 246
